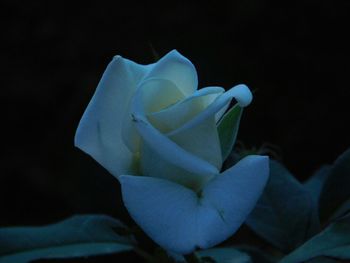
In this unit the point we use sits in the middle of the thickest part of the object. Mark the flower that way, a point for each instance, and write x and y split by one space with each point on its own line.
151 128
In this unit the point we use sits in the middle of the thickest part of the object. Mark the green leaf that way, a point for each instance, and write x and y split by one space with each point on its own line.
224 255
314 186
285 215
335 192
341 210
228 129
257 255
315 183
78 236
333 242
322 260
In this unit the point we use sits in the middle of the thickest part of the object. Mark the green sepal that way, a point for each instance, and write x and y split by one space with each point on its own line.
228 129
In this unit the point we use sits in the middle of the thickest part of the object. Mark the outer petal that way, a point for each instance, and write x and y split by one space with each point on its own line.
166 211
229 199
179 221
99 130
177 69
240 92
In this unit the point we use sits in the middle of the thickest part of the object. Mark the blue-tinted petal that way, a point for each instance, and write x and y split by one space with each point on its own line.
240 92
99 130
177 69
178 114
166 211
169 151
179 220
151 95
229 198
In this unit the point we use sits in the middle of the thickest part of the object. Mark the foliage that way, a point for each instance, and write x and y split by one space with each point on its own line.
296 222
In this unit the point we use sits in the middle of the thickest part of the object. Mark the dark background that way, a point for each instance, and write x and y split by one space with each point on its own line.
294 54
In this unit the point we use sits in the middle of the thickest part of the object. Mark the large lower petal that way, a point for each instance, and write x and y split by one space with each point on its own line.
179 220
229 199
166 211
99 130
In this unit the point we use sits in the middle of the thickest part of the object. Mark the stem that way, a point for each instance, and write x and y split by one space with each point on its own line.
192 258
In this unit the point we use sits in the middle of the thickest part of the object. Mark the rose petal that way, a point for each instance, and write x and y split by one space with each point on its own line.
243 96
179 221
99 130
166 211
177 69
199 135
162 146
169 151
229 198
163 154
201 140
152 95
240 92
152 164
182 112
158 94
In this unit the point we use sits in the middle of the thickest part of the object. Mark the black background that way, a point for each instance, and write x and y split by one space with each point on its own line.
294 54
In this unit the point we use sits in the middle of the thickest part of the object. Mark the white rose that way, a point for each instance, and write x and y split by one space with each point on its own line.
151 128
